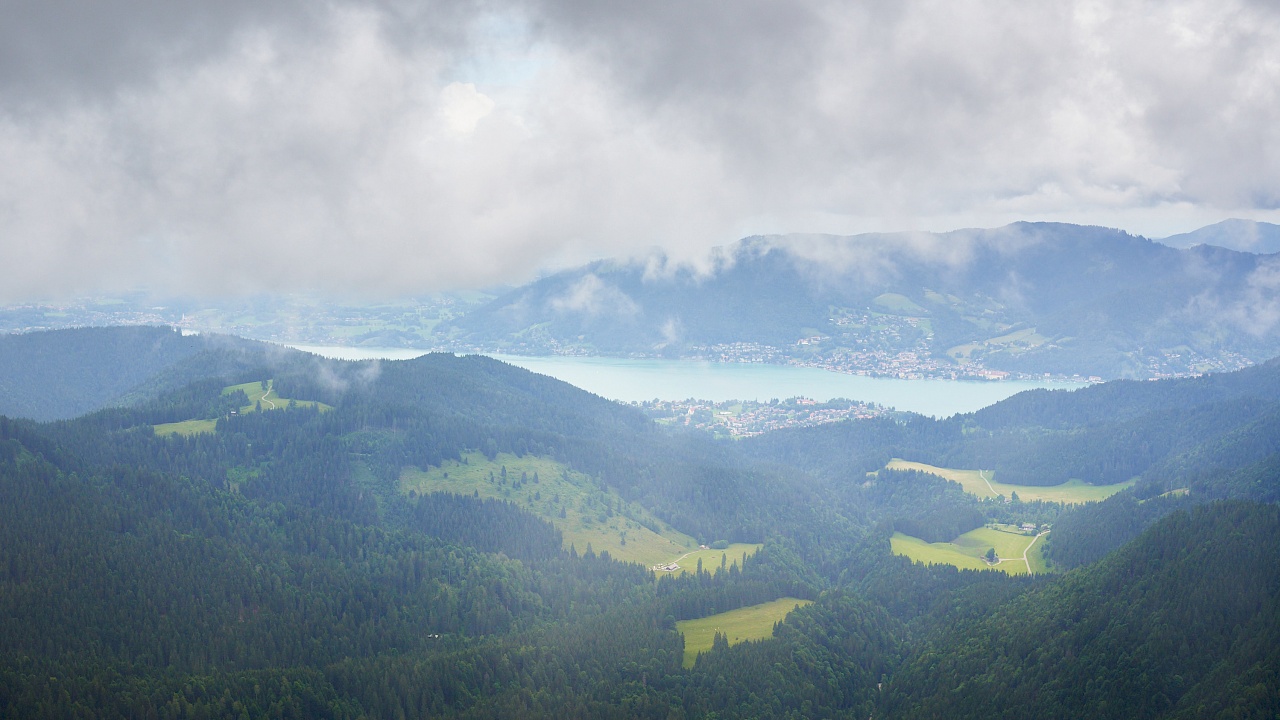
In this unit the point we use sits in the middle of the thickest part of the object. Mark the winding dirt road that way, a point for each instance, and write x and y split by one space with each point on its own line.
270 386
1028 549
983 474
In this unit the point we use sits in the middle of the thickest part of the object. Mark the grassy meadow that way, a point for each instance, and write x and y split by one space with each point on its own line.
711 559
584 510
186 427
982 483
748 623
257 394
967 551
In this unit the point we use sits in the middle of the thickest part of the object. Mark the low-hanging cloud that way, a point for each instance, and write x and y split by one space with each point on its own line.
592 296
1257 309
385 148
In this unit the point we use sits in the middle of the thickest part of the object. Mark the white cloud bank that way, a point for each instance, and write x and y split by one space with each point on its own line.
379 148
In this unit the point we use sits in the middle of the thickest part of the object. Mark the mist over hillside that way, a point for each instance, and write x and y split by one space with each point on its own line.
1022 300
278 281
1234 234
1028 297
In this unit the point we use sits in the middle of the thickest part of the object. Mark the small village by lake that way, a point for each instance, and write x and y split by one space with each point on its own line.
714 387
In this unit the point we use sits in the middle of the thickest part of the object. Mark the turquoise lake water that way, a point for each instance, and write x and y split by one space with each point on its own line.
648 379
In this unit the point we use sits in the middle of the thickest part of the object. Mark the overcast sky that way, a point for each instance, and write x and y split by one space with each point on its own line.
388 147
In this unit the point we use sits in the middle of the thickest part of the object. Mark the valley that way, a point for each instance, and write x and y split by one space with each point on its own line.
396 360
458 537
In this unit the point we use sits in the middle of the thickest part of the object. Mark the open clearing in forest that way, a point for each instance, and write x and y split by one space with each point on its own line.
749 623
268 398
711 558
186 427
257 394
586 511
967 551
983 484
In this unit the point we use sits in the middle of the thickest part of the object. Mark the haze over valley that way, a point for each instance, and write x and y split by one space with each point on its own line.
1027 300
541 359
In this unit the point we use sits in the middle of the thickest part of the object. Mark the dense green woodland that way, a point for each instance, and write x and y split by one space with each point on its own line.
273 568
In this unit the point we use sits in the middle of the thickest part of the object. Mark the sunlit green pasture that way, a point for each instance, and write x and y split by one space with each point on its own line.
260 395
269 399
585 511
712 559
982 483
748 623
967 551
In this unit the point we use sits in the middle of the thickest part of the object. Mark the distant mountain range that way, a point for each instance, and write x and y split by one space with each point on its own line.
1234 234
1026 298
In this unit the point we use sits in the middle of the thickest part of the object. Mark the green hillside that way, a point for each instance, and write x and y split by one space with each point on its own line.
587 514
360 554
1016 553
64 373
1185 622
983 484
260 398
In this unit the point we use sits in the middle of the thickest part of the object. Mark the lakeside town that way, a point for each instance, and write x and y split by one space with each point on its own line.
738 419
912 364
866 344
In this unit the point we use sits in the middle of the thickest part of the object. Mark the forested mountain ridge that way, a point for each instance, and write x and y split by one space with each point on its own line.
275 567
1034 297
1190 440
60 374
284 552
1182 623
1173 434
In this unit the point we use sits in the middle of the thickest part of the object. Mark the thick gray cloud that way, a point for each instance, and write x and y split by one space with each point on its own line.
390 147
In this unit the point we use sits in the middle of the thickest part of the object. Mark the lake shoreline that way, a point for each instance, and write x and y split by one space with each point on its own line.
640 380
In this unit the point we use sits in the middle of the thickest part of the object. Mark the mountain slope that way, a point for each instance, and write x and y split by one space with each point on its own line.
64 373
1234 234
60 374
1184 622
1172 434
275 567
1034 297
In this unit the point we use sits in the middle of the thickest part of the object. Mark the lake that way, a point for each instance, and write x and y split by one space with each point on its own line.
647 379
